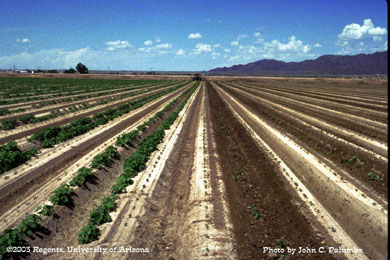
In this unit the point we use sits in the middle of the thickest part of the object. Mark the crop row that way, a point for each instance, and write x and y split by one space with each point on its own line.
11 156
9 124
63 196
131 167
72 98
19 87
52 135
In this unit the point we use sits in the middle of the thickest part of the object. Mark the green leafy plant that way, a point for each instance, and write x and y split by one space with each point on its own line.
62 195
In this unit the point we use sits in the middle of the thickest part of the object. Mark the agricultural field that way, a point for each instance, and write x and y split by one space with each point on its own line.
223 168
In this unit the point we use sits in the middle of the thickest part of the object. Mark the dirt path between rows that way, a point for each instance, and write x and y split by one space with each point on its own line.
28 130
61 229
73 103
363 220
344 133
42 174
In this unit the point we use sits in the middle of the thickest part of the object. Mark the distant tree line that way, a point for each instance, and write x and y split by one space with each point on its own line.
80 68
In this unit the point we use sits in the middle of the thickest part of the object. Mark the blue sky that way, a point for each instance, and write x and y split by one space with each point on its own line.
186 34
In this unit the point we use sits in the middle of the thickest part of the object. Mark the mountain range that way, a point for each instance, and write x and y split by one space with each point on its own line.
326 65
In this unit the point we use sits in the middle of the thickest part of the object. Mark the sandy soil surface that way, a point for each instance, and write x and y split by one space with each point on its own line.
61 232
67 104
343 119
360 216
32 181
330 141
7 136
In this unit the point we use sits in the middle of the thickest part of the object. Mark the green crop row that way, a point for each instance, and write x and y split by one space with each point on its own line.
126 139
58 134
14 237
11 156
60 196
132 166
9 124
27 88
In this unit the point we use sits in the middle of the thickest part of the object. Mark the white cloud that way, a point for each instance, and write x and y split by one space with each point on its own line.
164 46
227 50
216 45
292 45
241 36
157 39
233 58
385 45
114 45
180 52
317 45
234 43
215 55
257 34
148 42
160 48
355 31
194 36
201 47
55 58
377 38
25 40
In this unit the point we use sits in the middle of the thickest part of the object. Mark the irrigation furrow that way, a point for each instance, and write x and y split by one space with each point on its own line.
348 135
374 115
30 129
362 219
31 201
378 126
68 104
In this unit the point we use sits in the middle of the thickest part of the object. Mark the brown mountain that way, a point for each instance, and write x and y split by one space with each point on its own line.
327 65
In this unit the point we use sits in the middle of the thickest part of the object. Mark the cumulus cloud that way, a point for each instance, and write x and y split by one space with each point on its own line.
160 48
356 32
148 42
215 55
180 52
164 46
157 39
234 43
241 36
194 36
317 45
114 45
227 50
233 58
25 40
257 34
202 47
292 45
216 45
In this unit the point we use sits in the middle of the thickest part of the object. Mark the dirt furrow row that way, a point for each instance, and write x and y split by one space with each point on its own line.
30 103
27 130
359 216
321 111
73 103
344 153
376 92
67 154
134 206
308 92
372 114
343 132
